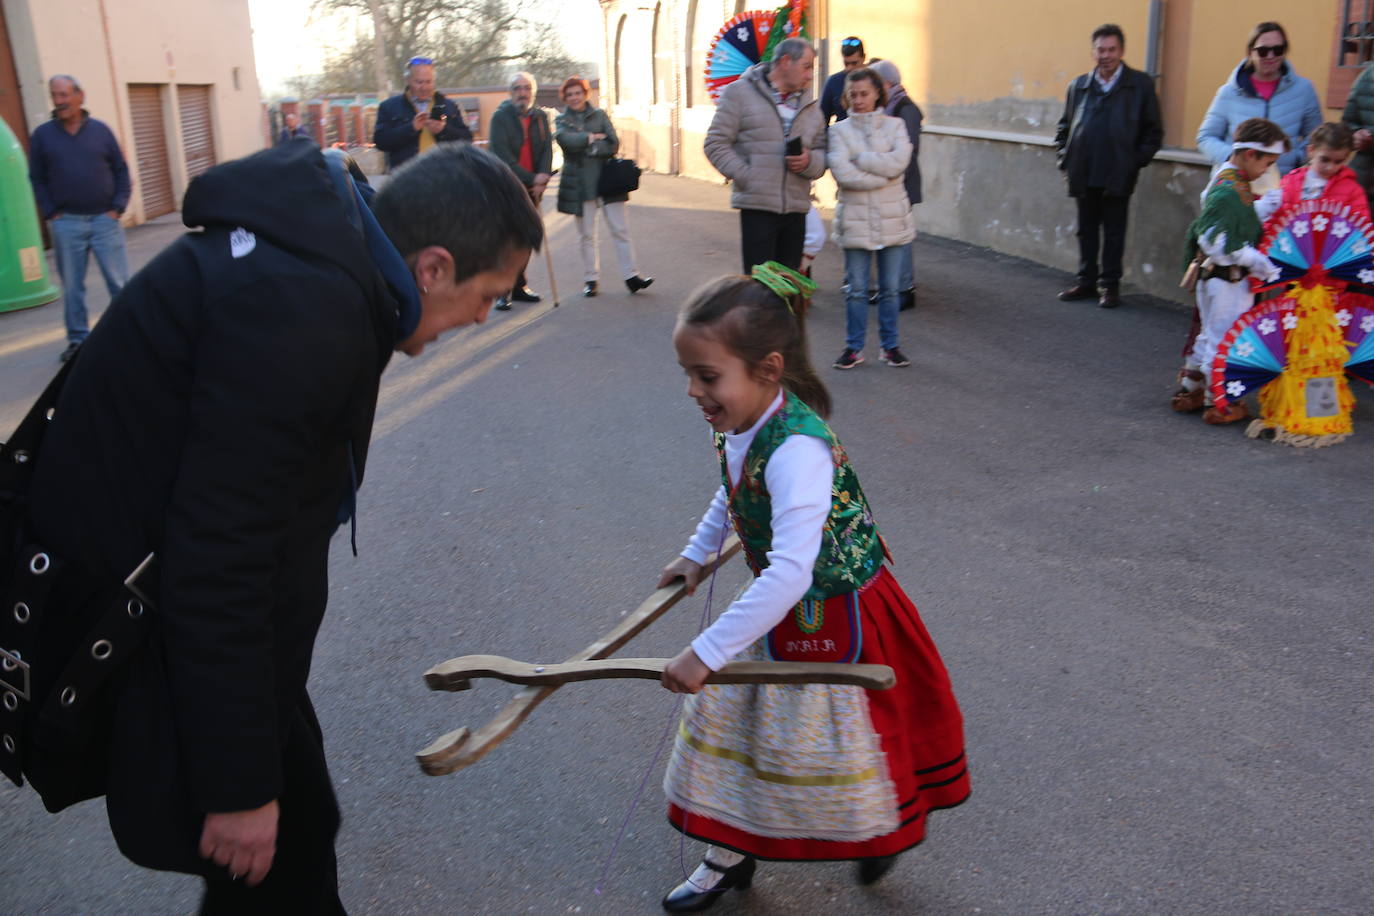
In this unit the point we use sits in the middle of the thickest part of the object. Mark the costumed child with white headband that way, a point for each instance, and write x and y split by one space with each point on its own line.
809 772
1225 237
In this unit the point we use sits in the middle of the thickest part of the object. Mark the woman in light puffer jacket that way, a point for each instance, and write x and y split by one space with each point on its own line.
869 153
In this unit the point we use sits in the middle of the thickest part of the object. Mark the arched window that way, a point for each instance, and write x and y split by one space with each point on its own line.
665 89
619 35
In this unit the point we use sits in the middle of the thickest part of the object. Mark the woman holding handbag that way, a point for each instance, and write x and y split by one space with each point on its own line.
588 139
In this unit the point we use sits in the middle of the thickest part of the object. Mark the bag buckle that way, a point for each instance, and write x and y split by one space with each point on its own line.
10 663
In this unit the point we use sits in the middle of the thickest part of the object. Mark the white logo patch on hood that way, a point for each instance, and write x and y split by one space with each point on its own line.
241 242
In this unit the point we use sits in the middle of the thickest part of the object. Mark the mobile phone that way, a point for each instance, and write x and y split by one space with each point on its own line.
437 113
794 147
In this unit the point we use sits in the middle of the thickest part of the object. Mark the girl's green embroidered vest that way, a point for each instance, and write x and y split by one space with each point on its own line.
852 550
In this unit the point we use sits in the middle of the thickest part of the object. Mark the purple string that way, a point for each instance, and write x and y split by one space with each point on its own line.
662 741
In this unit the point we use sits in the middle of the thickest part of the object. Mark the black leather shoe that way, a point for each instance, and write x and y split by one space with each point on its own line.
69 352
1110 298
872 870
682 899
1079 291
590 289
524 294
636 283
502 304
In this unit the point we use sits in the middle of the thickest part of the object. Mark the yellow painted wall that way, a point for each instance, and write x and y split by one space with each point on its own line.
1006 63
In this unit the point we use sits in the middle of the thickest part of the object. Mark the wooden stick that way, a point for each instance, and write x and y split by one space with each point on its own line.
457 673
462 748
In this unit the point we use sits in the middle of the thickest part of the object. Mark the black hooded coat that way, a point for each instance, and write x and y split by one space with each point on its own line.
219 416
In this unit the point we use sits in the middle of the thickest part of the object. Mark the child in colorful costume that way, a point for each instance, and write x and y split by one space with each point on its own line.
1327 174
796 772
1226 233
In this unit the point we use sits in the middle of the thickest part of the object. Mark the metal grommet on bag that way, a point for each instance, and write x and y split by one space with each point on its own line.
68 696
21 612
21 456
39 564
102 649
9 664
9 744
11 700
135 608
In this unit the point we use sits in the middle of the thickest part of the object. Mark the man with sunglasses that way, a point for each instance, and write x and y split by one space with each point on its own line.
832 96
1110 130
418 119
1264 85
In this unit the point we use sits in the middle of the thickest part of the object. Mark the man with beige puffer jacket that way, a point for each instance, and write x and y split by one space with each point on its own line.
756 117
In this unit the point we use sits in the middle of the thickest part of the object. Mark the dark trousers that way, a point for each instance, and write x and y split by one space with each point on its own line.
304 878
520 280
1099 213
768 236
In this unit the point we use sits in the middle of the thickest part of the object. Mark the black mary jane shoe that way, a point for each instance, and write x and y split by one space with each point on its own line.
871 871
590 289
682 899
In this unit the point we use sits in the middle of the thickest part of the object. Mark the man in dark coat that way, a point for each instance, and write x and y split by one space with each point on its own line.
291 129
218 417
832 96
520 137
1110 130
418 119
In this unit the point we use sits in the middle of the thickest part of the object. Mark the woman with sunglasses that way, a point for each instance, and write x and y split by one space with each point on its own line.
1265 85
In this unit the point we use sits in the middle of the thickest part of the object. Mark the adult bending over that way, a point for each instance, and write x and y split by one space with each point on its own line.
258 345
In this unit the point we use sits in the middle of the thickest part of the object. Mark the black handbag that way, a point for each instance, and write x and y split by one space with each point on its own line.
65 638
618 177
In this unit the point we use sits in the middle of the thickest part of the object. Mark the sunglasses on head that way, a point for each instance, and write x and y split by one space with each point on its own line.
851 44
420 62
1270 50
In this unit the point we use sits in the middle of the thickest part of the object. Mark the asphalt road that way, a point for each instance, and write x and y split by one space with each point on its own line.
1159 631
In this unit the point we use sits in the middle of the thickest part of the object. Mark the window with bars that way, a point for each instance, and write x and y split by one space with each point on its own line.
1354 48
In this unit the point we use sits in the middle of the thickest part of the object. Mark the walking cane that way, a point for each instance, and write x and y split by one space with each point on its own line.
548 255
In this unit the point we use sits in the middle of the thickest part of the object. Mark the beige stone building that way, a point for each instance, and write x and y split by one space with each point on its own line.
174 79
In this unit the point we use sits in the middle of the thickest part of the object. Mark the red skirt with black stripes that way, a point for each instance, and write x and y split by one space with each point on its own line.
918 726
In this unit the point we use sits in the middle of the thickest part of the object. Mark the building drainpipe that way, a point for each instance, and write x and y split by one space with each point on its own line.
115 88
1156 34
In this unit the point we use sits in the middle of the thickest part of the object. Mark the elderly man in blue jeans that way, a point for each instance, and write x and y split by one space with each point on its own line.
81 183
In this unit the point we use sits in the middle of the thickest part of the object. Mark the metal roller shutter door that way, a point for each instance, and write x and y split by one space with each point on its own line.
197 135
150 146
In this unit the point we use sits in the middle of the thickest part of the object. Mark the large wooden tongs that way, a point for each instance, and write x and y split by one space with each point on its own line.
462 748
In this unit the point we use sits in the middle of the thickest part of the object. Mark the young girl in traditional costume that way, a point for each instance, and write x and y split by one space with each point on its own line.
810 772
1226 235
1327 173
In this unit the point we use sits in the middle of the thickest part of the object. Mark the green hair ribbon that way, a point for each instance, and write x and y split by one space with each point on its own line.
783 280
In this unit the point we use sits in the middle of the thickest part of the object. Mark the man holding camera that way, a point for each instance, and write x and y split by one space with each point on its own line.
418 119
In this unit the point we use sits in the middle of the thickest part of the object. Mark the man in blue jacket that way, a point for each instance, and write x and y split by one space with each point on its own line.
81 183
1110 130
418 119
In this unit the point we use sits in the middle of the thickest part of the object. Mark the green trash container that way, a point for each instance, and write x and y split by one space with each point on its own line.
23 269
